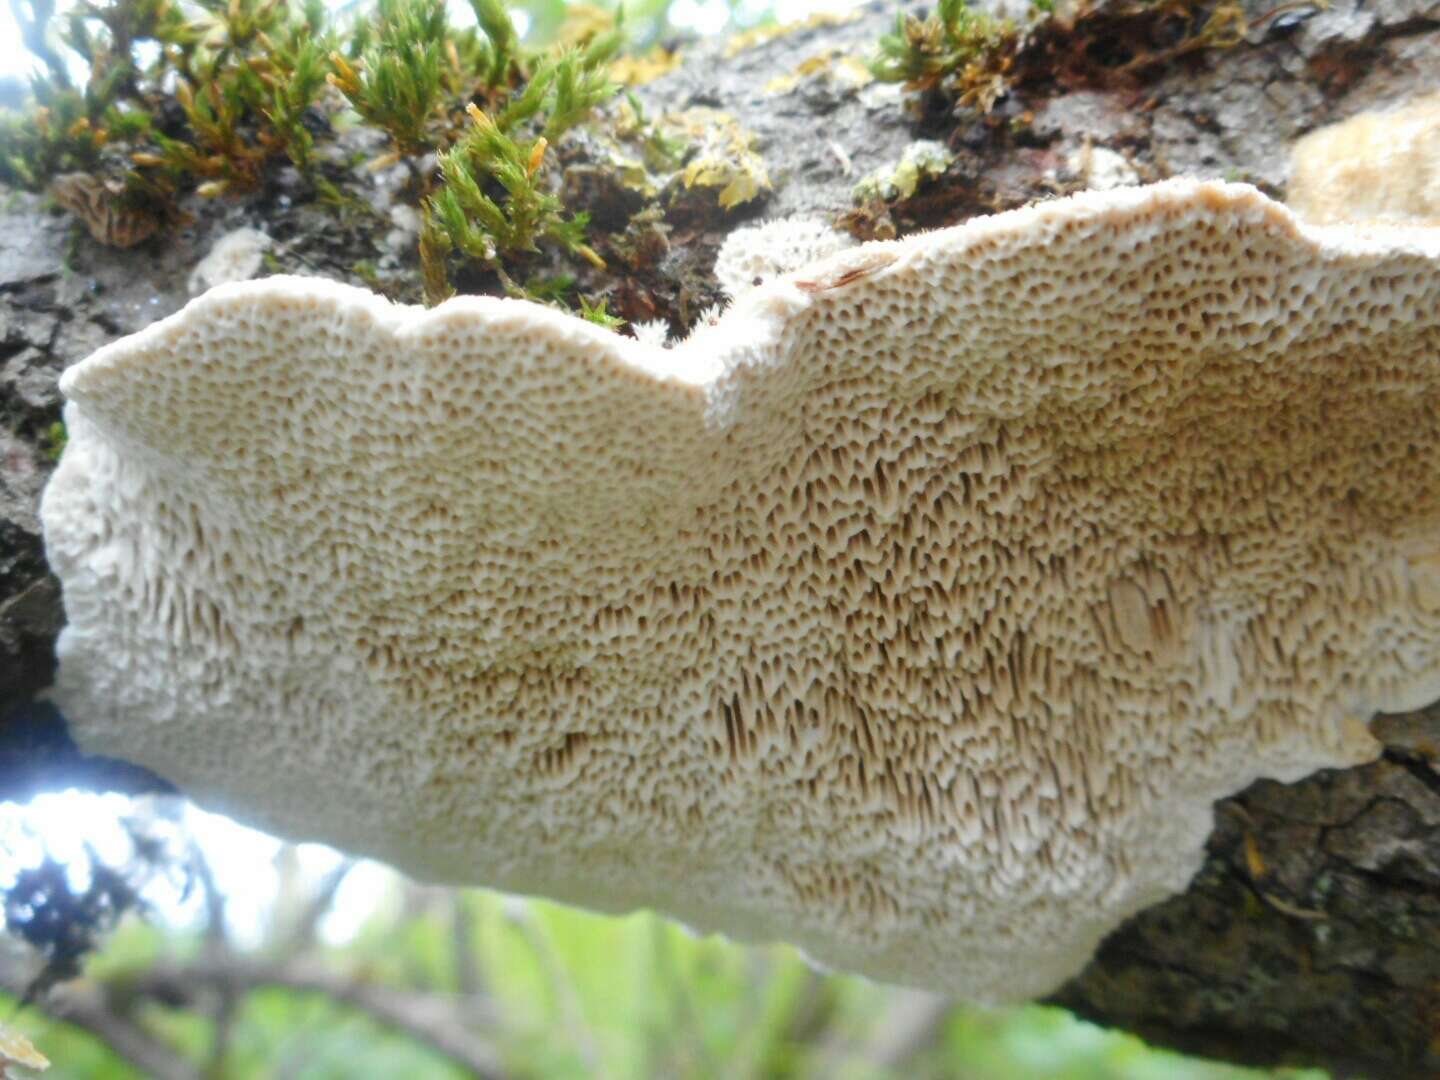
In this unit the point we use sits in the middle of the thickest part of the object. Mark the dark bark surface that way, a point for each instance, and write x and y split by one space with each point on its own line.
1312 934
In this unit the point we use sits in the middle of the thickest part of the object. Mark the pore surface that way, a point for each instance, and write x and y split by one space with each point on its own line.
916 616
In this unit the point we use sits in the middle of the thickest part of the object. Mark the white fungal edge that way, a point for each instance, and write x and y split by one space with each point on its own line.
756 319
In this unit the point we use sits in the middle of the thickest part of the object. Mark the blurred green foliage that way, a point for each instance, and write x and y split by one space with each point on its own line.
568 995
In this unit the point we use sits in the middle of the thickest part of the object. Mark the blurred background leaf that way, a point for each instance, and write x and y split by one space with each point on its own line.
274 960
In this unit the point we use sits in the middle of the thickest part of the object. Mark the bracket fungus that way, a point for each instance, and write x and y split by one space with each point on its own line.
915 613
1376 166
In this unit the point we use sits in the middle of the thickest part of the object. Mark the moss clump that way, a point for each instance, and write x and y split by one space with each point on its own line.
54 440
480 135
228 91
974 59
224 91
599 314
966 52
491 203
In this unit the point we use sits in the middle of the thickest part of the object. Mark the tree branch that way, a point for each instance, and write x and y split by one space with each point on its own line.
444 1022
911 1026
462 946
90 1008
307 921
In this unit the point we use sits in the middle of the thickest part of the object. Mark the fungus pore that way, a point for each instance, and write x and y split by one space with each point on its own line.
916 613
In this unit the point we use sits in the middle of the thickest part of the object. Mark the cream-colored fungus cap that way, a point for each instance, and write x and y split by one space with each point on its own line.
1377 166
915 613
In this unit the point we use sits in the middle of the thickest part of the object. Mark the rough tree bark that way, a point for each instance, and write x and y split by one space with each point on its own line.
1312 934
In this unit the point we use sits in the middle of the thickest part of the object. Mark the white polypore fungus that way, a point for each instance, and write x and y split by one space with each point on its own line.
917 618
236 256
756 254
654 332
1100 168
1378 166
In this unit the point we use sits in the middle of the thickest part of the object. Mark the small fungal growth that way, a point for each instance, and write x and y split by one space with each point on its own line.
757 254
915 613
1100 168
1378 166
236 256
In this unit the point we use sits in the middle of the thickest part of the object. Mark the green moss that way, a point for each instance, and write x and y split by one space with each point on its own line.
231 90
599 315
956 47
550 290
973 58
258 66
403 67
367 272
54 440
492 204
